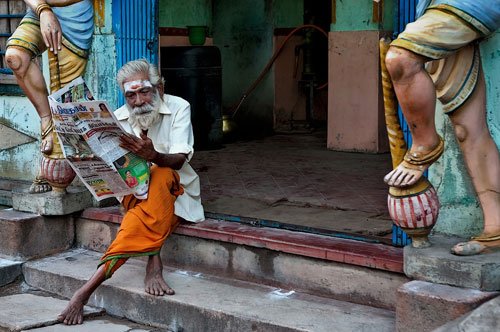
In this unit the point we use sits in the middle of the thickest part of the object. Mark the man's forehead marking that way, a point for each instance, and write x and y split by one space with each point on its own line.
135 85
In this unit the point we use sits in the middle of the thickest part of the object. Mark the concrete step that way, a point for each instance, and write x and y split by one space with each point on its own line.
21 234
344 269
26 311
9 271
202 302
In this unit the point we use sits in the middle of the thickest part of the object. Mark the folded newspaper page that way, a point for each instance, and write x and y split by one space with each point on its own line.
89 135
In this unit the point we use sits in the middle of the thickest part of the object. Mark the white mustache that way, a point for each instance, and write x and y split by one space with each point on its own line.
148 108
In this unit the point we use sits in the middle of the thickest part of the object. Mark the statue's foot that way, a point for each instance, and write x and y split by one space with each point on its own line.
413 166
47 137
39 186
477 245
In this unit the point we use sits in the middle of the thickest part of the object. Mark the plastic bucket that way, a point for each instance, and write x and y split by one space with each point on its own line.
197 34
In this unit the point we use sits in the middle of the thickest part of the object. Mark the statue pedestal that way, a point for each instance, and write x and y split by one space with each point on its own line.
437 265
52 203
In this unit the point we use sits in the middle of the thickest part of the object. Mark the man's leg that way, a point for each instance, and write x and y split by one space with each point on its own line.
73 313
30 79
416 94
154 283
483 163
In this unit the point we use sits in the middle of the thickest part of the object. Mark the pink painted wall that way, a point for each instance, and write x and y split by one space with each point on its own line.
355 102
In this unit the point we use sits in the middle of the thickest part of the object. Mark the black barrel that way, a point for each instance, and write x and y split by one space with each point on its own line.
195 74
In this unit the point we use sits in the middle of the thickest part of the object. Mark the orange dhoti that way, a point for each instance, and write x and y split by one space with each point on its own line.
147 223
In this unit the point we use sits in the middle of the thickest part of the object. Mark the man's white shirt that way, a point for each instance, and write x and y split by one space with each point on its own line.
174 134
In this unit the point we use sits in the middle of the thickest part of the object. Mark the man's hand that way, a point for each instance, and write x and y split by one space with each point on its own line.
143 146
51 31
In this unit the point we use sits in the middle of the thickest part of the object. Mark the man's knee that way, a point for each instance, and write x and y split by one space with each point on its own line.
16 60
402 63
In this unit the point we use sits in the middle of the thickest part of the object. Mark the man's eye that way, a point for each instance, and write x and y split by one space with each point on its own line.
145 91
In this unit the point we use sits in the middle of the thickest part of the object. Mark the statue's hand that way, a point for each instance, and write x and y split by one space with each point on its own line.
51 31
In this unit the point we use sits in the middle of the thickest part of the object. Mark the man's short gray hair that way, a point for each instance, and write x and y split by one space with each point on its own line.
139 66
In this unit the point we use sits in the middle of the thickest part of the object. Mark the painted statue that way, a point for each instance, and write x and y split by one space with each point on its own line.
448 31
65 28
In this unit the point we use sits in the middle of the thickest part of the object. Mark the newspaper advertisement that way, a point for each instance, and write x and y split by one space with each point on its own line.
89 135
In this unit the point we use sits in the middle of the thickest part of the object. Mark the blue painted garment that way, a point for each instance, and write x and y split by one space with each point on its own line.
77 22
485 11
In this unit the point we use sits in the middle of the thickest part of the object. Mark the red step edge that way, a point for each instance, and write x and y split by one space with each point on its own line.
371 255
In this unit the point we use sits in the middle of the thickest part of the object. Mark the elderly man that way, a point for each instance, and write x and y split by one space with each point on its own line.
160 131
449 31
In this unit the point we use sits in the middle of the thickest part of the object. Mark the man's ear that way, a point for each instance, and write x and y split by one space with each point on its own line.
161 90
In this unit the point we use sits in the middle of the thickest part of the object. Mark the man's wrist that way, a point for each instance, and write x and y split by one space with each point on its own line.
156 157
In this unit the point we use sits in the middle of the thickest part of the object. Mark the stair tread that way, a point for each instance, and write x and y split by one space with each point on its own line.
205 293
43 311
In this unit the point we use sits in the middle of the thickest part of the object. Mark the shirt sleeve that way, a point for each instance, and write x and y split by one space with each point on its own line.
181 135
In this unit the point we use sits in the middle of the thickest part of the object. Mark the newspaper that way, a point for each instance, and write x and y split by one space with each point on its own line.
89 134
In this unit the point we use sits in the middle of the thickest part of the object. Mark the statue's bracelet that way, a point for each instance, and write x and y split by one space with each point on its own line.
41 7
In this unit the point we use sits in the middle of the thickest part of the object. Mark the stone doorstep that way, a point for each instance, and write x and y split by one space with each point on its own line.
343 269
370 255
423 306
202 302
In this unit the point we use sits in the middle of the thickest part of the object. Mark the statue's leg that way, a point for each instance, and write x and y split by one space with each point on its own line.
30 79
416 95
483 164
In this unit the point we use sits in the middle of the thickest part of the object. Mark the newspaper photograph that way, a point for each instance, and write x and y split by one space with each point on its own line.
89 135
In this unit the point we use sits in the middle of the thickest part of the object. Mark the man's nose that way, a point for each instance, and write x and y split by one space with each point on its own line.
139 101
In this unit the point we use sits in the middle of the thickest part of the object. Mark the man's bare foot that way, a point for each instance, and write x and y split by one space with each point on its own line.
46 133
154 283
413 166
73 313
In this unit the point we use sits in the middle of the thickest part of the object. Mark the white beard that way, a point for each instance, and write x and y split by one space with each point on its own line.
147 115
